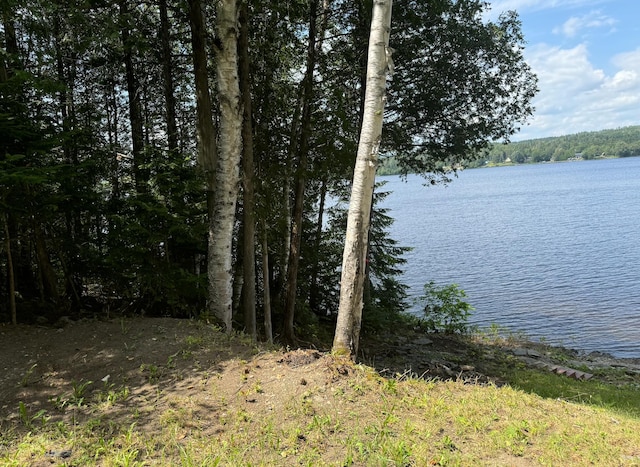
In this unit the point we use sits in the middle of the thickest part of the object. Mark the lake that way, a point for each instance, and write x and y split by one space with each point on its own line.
552 250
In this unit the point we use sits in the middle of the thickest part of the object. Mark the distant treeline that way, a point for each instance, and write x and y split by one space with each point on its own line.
621 142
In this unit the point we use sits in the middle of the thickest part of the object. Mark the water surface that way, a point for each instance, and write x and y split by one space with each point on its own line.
551 249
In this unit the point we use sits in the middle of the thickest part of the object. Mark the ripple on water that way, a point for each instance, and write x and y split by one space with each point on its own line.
547 249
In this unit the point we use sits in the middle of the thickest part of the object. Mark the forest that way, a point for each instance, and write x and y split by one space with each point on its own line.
194 159
619 142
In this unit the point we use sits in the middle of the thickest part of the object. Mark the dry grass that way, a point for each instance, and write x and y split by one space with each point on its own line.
207 400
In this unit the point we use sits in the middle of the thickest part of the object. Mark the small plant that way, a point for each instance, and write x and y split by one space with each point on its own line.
153 372
79 392
445 309
171 360
110 395
27 419
124 326
25 381
194 341
127 458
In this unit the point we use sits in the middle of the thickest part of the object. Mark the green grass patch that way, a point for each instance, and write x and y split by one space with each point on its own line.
622 399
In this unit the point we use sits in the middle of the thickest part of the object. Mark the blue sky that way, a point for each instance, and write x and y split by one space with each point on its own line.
586 54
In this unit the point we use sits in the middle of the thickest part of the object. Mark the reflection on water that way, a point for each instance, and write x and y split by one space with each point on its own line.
552 250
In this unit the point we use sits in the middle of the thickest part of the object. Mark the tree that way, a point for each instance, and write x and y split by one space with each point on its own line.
248 181
385 296
300 146
460 84
206 131
140 172
228 170
110 188
379 63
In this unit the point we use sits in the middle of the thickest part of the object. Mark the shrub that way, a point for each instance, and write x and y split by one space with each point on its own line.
445 309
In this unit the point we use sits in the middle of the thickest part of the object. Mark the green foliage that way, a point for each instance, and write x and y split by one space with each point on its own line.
385 295
488 90
445 309
96 229
619 142
27 418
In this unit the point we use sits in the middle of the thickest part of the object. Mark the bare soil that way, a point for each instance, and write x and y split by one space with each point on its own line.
52 369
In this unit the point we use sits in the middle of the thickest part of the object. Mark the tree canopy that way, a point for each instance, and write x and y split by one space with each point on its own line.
106 204
619 142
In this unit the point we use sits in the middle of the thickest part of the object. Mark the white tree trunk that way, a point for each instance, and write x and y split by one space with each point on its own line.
228 173
355 250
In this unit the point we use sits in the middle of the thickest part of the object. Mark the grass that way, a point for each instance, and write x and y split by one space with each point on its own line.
623 399
445 423
620 395
261 412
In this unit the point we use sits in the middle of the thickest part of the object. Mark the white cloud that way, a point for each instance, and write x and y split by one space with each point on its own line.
628 60
576 96
592 20
623 80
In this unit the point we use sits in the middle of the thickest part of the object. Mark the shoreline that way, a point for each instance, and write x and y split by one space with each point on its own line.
484 357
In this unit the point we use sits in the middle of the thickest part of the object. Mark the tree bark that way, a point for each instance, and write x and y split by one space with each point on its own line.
314 295
140 173
47 273
347 332
167 74
228 174
300 176
10 273
248 178
266 298
206 131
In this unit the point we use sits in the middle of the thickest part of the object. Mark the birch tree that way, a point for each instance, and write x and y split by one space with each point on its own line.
228 173
379 65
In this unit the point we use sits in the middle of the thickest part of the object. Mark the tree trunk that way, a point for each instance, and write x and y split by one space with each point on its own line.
206 131
10 42
248 178
228 174
6 71
47 273
347 332
10 274
300 182
140 173
113 137
73 221
314 295
167 74
238 271
266 299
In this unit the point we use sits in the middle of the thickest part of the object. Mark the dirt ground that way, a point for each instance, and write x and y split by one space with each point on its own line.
53 369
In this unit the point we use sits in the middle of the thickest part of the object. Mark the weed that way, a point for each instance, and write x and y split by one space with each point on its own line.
516 437
127 458
153 372
448 444
110 396
27 419
25 381
79 392
194 341
124 326
171 360
390 386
